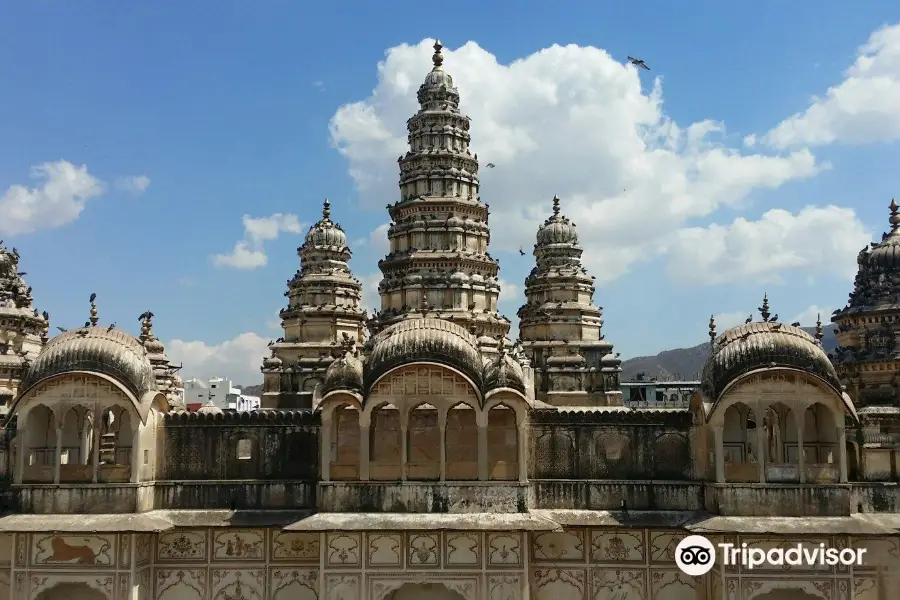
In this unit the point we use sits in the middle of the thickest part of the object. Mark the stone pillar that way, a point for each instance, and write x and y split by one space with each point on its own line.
842 453
95 451
800 421
483 464
404 448
136 452
719 453
325 456
364 448
522 447
762 446
21 449
58 455
442 432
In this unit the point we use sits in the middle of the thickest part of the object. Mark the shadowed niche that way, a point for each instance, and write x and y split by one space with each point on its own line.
71 591
423 591
788 594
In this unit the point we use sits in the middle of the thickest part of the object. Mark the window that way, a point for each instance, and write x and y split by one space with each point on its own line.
146 457
244 449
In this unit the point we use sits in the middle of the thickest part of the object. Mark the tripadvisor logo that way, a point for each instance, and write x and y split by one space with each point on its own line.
695 555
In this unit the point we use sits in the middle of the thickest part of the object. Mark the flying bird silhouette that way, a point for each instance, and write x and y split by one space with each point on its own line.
638 63
521 252
490 165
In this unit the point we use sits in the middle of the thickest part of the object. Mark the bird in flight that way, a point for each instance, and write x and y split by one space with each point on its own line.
638 63
521 252
490 165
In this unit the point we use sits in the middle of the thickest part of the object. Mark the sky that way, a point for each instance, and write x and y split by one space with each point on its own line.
171 156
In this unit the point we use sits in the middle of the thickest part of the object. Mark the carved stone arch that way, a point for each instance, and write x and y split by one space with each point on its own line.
613 455
310 384
554 455
671 456
79 387
422 590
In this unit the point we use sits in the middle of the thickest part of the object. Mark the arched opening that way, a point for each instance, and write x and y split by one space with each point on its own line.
423 591
461 442
74 453
503 444
820 439
116 439
40 441
344 463
71 590
423 445
787 594
384 443
739 441
780 438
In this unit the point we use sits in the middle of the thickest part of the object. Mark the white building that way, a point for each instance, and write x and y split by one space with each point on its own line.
217 390
245 403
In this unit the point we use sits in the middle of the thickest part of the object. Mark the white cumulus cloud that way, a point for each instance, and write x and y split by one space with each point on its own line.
510 293
727 320
133 184
249 252
376 243
238 359
862 108
58 200
565 120
808 316
814 241
371 301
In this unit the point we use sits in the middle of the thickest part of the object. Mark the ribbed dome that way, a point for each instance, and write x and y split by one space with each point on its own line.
346 373
887 253
424 339
326 233
760 345
98 349
557 229
209 409
505 372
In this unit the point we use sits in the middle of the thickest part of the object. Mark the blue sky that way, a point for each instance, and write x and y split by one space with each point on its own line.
236 110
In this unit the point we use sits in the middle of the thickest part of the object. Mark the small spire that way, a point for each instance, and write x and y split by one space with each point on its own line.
894 219
146 319
94 317
819 333
437 58
712 329
326 210
555 205
764 309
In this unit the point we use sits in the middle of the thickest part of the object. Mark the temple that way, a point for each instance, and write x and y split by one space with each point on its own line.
419 453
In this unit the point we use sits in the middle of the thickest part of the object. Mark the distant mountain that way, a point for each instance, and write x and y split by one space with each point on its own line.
681 363
687 363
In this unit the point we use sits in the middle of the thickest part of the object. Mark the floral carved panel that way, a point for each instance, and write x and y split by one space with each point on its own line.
504 549
293 584
237 584
558 546
294 547
618 546
179 584
343 550
185 545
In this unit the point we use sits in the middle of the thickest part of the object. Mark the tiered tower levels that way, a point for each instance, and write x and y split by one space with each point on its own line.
323 309
438 263
560 327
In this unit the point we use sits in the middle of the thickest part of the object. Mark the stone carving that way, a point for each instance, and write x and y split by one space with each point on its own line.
675 585
556 546
504 586
238 584
618 584
343 549
384 550
74 550
463 549
142 549
504 549
342 586
555 584
294 584
180 546
295 547
180 584
621 546
239 545
423 550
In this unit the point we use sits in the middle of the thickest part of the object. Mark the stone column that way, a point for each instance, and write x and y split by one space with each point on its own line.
483 464
58 455
800 421
719 453
136 452
364 447
21 449
842 453
404 448
442 432
95 451
522 445
325 456
762 450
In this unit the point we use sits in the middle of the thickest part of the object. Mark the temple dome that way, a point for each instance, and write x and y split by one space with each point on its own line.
761 345
345 373
557 229
103 350
209 409
424 340
505 372
325 232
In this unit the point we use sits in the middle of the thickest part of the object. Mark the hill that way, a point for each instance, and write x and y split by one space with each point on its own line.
687 363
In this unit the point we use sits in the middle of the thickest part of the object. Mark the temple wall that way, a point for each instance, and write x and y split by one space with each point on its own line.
257 564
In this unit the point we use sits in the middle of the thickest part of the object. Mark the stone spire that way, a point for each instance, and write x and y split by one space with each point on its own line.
323 305
560 327
22 330
163 369
438 263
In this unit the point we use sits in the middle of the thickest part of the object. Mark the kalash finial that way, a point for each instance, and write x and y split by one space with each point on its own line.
555 206
437 58
894 219
94 318
820 335
712 329
326 210
146 320
764 309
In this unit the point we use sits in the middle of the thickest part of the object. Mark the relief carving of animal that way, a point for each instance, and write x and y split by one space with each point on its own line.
75 554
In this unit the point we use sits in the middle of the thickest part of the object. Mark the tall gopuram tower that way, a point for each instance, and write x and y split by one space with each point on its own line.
868 354
438 263
323 310
560 327
23 332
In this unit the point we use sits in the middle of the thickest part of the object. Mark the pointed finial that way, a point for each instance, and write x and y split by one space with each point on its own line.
437 58
94 317
555 205
146 319
894 219
326 210
819 333
712 329
764 309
